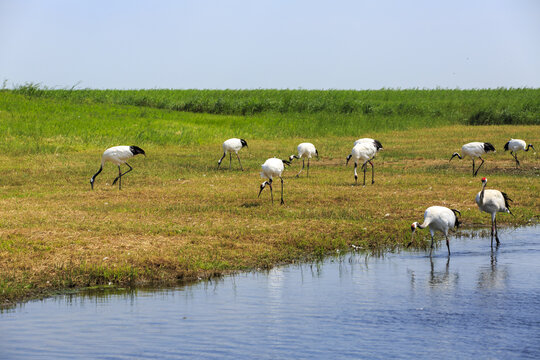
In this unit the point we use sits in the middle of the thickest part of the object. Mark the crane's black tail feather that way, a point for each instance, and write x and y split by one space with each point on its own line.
507 202
456 212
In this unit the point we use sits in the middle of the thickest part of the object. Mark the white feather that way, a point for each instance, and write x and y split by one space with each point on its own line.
473 150
306 150
118 155
516 145
272 168
232 145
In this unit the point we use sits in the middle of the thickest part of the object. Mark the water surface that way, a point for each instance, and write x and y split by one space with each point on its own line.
477 303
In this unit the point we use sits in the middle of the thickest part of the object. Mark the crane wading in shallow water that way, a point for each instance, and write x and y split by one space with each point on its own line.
438 218
273 167
515 145
364 150
118 155
230 146
474 150
492 202
305 150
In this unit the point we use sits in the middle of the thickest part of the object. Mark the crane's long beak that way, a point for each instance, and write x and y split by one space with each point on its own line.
348 158
260 191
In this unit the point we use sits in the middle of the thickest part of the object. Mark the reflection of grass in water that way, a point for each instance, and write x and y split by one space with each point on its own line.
178 218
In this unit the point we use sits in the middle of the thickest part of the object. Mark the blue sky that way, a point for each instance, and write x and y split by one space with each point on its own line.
205 44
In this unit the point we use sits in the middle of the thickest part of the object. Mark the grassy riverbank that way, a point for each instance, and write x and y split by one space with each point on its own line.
178 218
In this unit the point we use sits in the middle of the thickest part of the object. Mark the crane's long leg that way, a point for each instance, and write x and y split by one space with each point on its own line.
492 226
473 173
307 167
372 173
431 248
303 164
220 160
515 158
282 202
448 244
482 163
230 160
496 232
120 176
365 168
241 167
355 173
271 190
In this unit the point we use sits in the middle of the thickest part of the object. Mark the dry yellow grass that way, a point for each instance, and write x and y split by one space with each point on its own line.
178 218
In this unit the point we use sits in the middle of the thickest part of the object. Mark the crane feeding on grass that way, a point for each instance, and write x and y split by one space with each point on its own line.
271 168
364 150
515 145
230 146
118 155
305 150
492 202
474 150
438 218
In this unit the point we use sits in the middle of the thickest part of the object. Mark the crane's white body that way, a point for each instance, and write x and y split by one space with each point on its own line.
473 150
438 218
272 168
516 145
492 201
118 155
369 141
363 151
305 151
233 145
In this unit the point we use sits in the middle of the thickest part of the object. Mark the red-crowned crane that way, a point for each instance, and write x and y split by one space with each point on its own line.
515 145
230 146
474 150
118 155
364 150
492 202
305 150
273 167
438 218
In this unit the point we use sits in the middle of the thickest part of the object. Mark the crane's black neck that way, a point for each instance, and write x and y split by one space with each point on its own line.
94 177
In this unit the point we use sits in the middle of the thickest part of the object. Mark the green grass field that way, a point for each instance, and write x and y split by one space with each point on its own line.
178 218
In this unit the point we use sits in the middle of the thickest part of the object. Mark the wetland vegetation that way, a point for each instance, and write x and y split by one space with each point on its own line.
177 218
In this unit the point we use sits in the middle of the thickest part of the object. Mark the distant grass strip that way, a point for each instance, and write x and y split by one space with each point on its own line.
477 107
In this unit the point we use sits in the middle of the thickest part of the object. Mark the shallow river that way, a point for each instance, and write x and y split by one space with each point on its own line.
477 304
